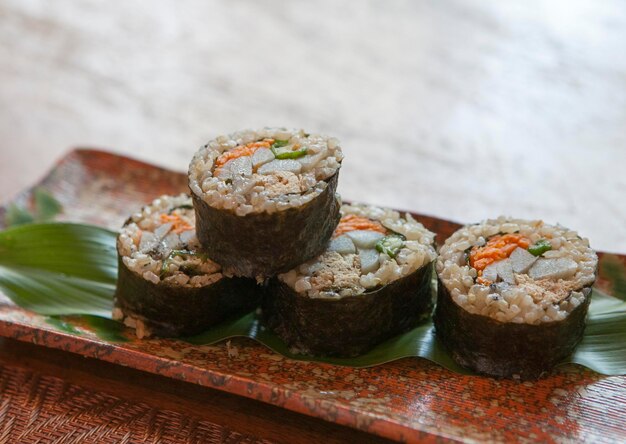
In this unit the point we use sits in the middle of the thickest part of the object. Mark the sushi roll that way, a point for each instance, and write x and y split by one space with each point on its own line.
265 200
372 282
166 284
513 295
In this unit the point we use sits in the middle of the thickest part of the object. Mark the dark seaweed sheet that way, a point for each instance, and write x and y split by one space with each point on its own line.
351 325
82 260
170 310
262 244
501 349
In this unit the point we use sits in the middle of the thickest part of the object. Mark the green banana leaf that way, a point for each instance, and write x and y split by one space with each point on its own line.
45 208
59 269
63 270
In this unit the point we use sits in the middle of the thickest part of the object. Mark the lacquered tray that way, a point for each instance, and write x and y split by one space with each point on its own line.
410 400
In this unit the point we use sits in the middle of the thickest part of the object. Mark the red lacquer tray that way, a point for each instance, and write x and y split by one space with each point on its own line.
410 400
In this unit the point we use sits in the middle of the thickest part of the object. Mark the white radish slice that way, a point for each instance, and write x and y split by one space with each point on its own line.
293 166
171 242
162 230
148 242
490 273
369 261
559 268
500 287
342 245
187 236
505 271
223 173
310 161
241 166
521 260
262 156
365 238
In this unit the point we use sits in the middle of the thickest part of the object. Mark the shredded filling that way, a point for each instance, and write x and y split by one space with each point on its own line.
370 247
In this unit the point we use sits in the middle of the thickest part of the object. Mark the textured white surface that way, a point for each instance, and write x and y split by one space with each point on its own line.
463 110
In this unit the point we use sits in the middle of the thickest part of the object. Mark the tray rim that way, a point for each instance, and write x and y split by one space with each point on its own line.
212 378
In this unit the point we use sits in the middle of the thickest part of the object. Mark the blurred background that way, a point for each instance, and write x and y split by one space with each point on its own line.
458 109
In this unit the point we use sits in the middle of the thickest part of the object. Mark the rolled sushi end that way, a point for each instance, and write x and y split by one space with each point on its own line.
365 288
265 200
166 284
513 296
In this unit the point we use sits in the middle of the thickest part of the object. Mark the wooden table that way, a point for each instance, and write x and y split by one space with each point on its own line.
462 110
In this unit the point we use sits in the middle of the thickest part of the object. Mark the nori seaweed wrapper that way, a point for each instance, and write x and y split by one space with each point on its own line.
502 349
263 244
350 325
170 310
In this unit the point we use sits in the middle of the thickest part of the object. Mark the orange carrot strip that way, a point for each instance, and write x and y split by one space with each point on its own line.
352 222
169 218
481 280
496 249
182 228
241 151
178 225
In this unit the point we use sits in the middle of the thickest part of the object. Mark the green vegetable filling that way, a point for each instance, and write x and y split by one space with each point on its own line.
540 247
280 143
280 152
391 244
168 260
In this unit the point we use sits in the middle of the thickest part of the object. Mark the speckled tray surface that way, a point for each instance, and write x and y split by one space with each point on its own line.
410 400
